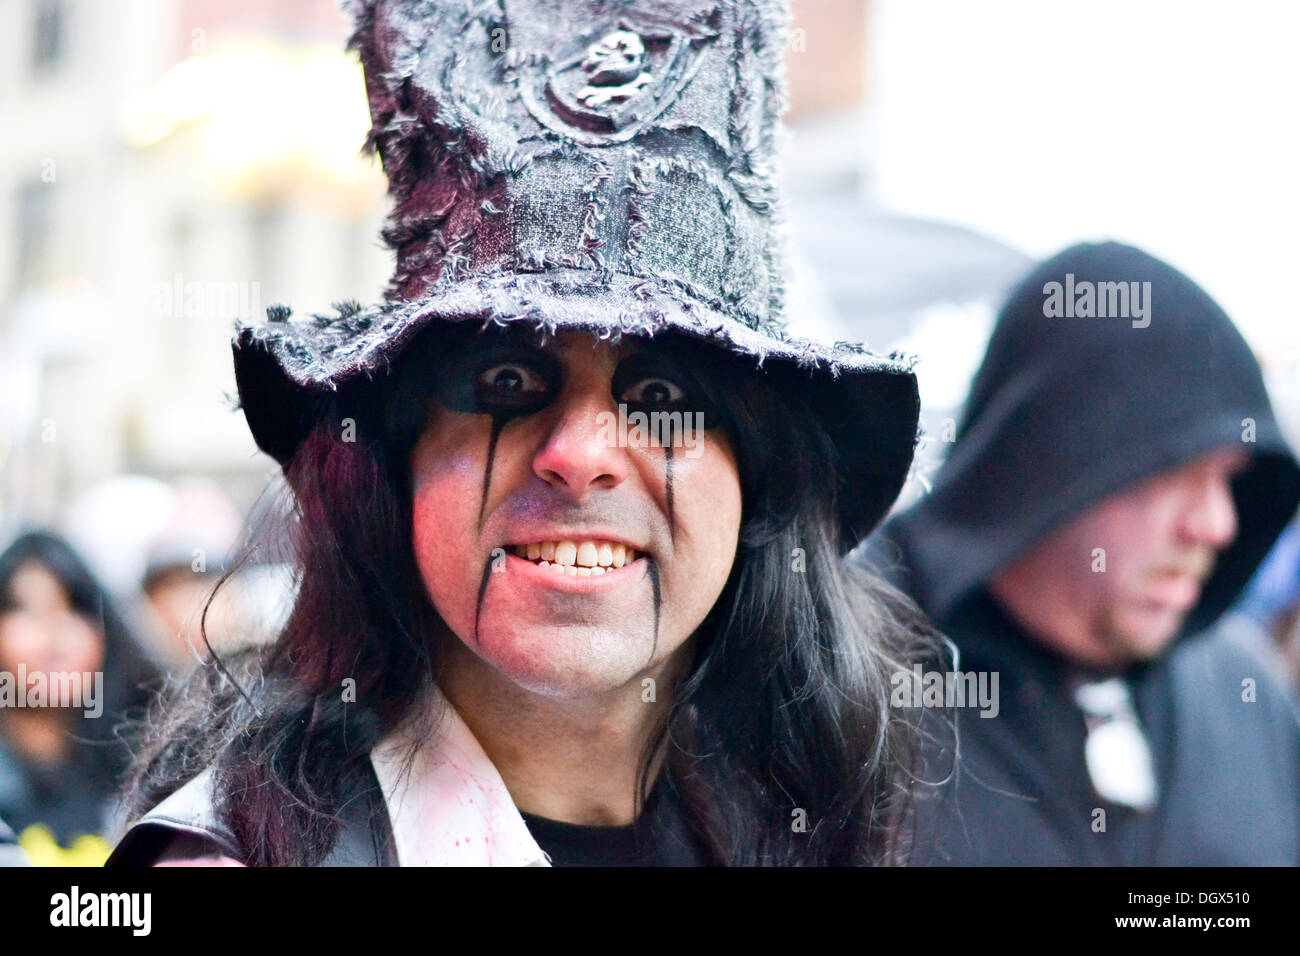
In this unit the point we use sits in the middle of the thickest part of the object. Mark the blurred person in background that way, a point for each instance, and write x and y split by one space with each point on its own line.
183 562
176 593
1116 480
60 766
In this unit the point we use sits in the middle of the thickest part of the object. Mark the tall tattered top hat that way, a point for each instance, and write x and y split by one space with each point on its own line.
599 165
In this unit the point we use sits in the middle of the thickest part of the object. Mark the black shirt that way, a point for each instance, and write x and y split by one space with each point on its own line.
661 836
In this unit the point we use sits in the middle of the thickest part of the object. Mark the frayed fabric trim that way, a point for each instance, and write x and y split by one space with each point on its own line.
322 351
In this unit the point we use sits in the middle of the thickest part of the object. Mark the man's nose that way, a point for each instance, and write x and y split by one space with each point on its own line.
1212 517
581 450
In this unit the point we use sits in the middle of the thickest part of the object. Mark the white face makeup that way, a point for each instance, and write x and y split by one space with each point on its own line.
571 562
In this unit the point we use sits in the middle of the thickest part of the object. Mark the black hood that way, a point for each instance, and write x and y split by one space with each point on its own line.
1067 410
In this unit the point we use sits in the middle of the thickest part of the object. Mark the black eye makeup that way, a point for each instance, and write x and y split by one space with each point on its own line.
502 377
655 384
651 381
499 379
655 392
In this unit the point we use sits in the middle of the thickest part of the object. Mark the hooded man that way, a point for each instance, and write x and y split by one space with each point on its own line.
570 507
1117 477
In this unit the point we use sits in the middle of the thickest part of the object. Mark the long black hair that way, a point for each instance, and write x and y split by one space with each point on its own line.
780 741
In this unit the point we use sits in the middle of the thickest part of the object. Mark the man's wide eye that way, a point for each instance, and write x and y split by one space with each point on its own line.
511 379
653 392
496 378
511 384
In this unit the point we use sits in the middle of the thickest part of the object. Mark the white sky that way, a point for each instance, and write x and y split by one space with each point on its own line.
1174 126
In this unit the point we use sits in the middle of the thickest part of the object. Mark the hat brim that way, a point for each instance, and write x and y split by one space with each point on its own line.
868 403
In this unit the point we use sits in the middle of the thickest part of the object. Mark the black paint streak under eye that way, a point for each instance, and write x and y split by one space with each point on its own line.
652 569
499 421
482 593
668 485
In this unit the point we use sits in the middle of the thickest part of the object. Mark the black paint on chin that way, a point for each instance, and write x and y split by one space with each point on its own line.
652 569
482 593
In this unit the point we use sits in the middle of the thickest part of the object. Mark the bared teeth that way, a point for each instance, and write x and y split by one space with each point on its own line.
572 570
566 552
589 556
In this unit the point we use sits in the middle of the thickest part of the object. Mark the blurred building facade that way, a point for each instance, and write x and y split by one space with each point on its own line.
172 166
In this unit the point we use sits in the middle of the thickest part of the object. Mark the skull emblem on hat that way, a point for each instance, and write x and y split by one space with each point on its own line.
613 67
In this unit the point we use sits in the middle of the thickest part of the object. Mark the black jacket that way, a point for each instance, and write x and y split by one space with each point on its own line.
1063 413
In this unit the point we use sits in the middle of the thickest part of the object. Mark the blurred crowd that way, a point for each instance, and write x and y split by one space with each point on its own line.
108 613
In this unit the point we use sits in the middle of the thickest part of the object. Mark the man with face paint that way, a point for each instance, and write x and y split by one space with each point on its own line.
592 565
569 505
